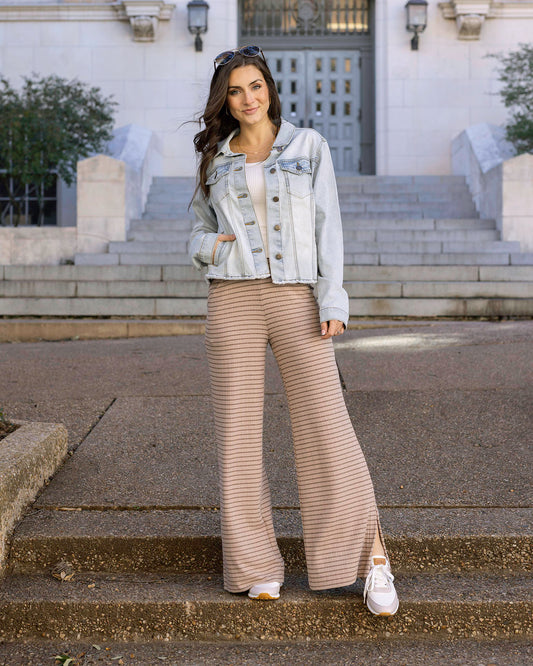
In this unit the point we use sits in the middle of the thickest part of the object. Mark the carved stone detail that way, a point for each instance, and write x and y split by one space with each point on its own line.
144 28
469 26
144 17
469 16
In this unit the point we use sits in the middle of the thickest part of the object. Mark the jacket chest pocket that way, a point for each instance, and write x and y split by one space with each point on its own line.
297 174
218 182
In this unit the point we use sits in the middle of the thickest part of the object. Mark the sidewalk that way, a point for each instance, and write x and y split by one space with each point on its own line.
443 412
438 408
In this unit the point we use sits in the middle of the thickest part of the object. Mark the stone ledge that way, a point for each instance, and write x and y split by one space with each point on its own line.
28 457
33 330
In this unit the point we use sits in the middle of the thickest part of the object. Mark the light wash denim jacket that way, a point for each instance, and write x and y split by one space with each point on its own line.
303 217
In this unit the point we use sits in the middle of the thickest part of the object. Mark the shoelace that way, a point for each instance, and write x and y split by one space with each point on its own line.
379 576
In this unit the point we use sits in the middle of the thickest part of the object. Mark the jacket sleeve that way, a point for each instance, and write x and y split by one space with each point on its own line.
332 298
204 235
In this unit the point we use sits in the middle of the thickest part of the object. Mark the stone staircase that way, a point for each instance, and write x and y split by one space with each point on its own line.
156 576
414 246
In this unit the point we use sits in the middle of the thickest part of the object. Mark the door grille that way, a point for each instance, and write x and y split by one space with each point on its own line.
301 18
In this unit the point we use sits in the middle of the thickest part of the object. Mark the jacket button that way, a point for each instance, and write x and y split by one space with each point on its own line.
277 227
272 170
279 256
276 199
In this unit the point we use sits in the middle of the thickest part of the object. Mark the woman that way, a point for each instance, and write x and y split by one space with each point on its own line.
268 229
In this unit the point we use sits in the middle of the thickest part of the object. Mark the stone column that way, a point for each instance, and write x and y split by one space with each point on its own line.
101 203
517 201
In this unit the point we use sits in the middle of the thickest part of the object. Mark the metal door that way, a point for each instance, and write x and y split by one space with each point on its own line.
321 89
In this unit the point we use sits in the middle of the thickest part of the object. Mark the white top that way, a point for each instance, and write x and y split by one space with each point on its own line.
255 179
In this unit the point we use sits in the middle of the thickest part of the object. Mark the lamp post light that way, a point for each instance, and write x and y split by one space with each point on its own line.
417 19
197 15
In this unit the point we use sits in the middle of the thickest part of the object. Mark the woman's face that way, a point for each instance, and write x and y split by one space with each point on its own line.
248 99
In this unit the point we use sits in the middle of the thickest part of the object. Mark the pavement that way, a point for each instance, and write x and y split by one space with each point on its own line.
443 411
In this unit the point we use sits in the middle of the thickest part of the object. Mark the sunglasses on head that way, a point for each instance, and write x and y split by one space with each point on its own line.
226 56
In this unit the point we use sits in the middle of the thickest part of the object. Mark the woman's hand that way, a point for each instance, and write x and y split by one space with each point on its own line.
221 237
331 328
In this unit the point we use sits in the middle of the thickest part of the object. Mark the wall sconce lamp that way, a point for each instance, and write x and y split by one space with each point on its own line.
197 15
417 19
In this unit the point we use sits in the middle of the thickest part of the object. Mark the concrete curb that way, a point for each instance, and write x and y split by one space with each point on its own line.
28 457
35 330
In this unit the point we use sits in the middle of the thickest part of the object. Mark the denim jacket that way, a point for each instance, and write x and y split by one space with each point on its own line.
303 217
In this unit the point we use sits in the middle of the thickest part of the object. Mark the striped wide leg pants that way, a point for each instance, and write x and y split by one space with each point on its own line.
338 509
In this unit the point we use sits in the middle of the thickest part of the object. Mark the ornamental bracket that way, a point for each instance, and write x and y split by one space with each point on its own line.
469 16
144 17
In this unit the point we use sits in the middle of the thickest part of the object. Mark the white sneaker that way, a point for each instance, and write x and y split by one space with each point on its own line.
265 591
380 595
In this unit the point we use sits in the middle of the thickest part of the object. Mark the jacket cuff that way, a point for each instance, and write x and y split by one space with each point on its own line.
327 314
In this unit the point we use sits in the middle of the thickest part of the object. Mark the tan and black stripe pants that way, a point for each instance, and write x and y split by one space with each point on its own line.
339 513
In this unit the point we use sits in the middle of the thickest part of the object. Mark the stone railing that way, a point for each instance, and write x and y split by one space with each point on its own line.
500 182
112 190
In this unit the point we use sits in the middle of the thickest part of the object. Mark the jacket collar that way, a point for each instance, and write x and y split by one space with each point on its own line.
285 134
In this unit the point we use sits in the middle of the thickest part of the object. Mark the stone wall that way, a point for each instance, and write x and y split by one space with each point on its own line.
425 98
37 245
158 84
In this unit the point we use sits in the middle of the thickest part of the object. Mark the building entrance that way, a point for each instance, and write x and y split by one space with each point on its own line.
321 89
321 56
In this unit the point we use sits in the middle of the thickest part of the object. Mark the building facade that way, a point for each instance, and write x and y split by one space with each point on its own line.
345 67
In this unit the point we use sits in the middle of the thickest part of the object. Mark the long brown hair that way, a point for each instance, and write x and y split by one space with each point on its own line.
219 122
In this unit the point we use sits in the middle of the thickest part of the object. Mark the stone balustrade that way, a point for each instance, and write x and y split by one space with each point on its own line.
501 182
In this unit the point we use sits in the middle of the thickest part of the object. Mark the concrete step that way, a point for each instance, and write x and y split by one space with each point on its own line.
444 180
522 258
166 214
96 259
441 307
458 197
146 248
424 235
38 289
133 289
137 247
174 209
417 224
171 224
339 652
103 307
188 541
370 235
192 606
351 258
150 236
99 273
154 258
351 273
429 247
450 258
473 230
360 306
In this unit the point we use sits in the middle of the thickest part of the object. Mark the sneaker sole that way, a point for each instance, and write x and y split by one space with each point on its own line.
264 596
383 613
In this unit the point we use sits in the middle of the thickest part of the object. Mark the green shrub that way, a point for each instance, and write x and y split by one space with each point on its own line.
47 126
516 74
